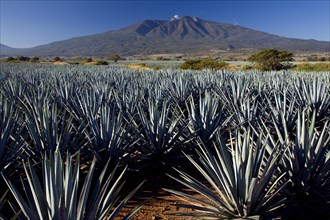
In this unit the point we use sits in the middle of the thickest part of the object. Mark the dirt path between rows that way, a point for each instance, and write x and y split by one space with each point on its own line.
159 204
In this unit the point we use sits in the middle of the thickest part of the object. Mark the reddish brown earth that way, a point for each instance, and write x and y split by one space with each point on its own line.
159 204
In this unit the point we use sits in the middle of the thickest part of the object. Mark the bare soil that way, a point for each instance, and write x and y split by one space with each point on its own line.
158 204
138 67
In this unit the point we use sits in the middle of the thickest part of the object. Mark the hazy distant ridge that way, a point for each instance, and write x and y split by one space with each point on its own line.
188 34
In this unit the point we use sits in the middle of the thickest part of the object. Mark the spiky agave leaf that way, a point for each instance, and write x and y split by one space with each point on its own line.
49 125
11 135
59 195
180 89
160 134
206 117
241 102
285 112
2 202
314 94
128 102
4 213
242 179
308 160
109 135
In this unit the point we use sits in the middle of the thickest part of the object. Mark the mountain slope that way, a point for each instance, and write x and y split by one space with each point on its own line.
185 35
5 50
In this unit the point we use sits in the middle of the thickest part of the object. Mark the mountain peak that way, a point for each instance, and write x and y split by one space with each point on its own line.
146 26
191 18
186 34
177 27
185 18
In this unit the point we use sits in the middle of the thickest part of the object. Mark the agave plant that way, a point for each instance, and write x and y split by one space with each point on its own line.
207 117
128 102
242 178
236 91
86 104
109 137
316 95
242 104
11 134
49 126
285 111
180 89
60 195
161 137
13 88
308 158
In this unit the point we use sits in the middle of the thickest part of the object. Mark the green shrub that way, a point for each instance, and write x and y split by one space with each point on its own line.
89 60
115 58
101 62
23 58
57 59
272 59
247 67
35 60
312 67
10 59
203 63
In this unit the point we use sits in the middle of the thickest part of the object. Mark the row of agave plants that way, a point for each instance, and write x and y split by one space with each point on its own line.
260 141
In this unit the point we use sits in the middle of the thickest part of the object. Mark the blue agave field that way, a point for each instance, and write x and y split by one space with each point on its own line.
249 144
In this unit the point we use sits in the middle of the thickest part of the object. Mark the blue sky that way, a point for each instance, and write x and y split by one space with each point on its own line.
29 23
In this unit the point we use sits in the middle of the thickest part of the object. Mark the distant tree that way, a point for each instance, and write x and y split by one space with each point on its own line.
35 60
101 62
22 58
89 60
322 59
115 58
272 59
160 58
56 59
10 59
203 63
312 58
178 57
